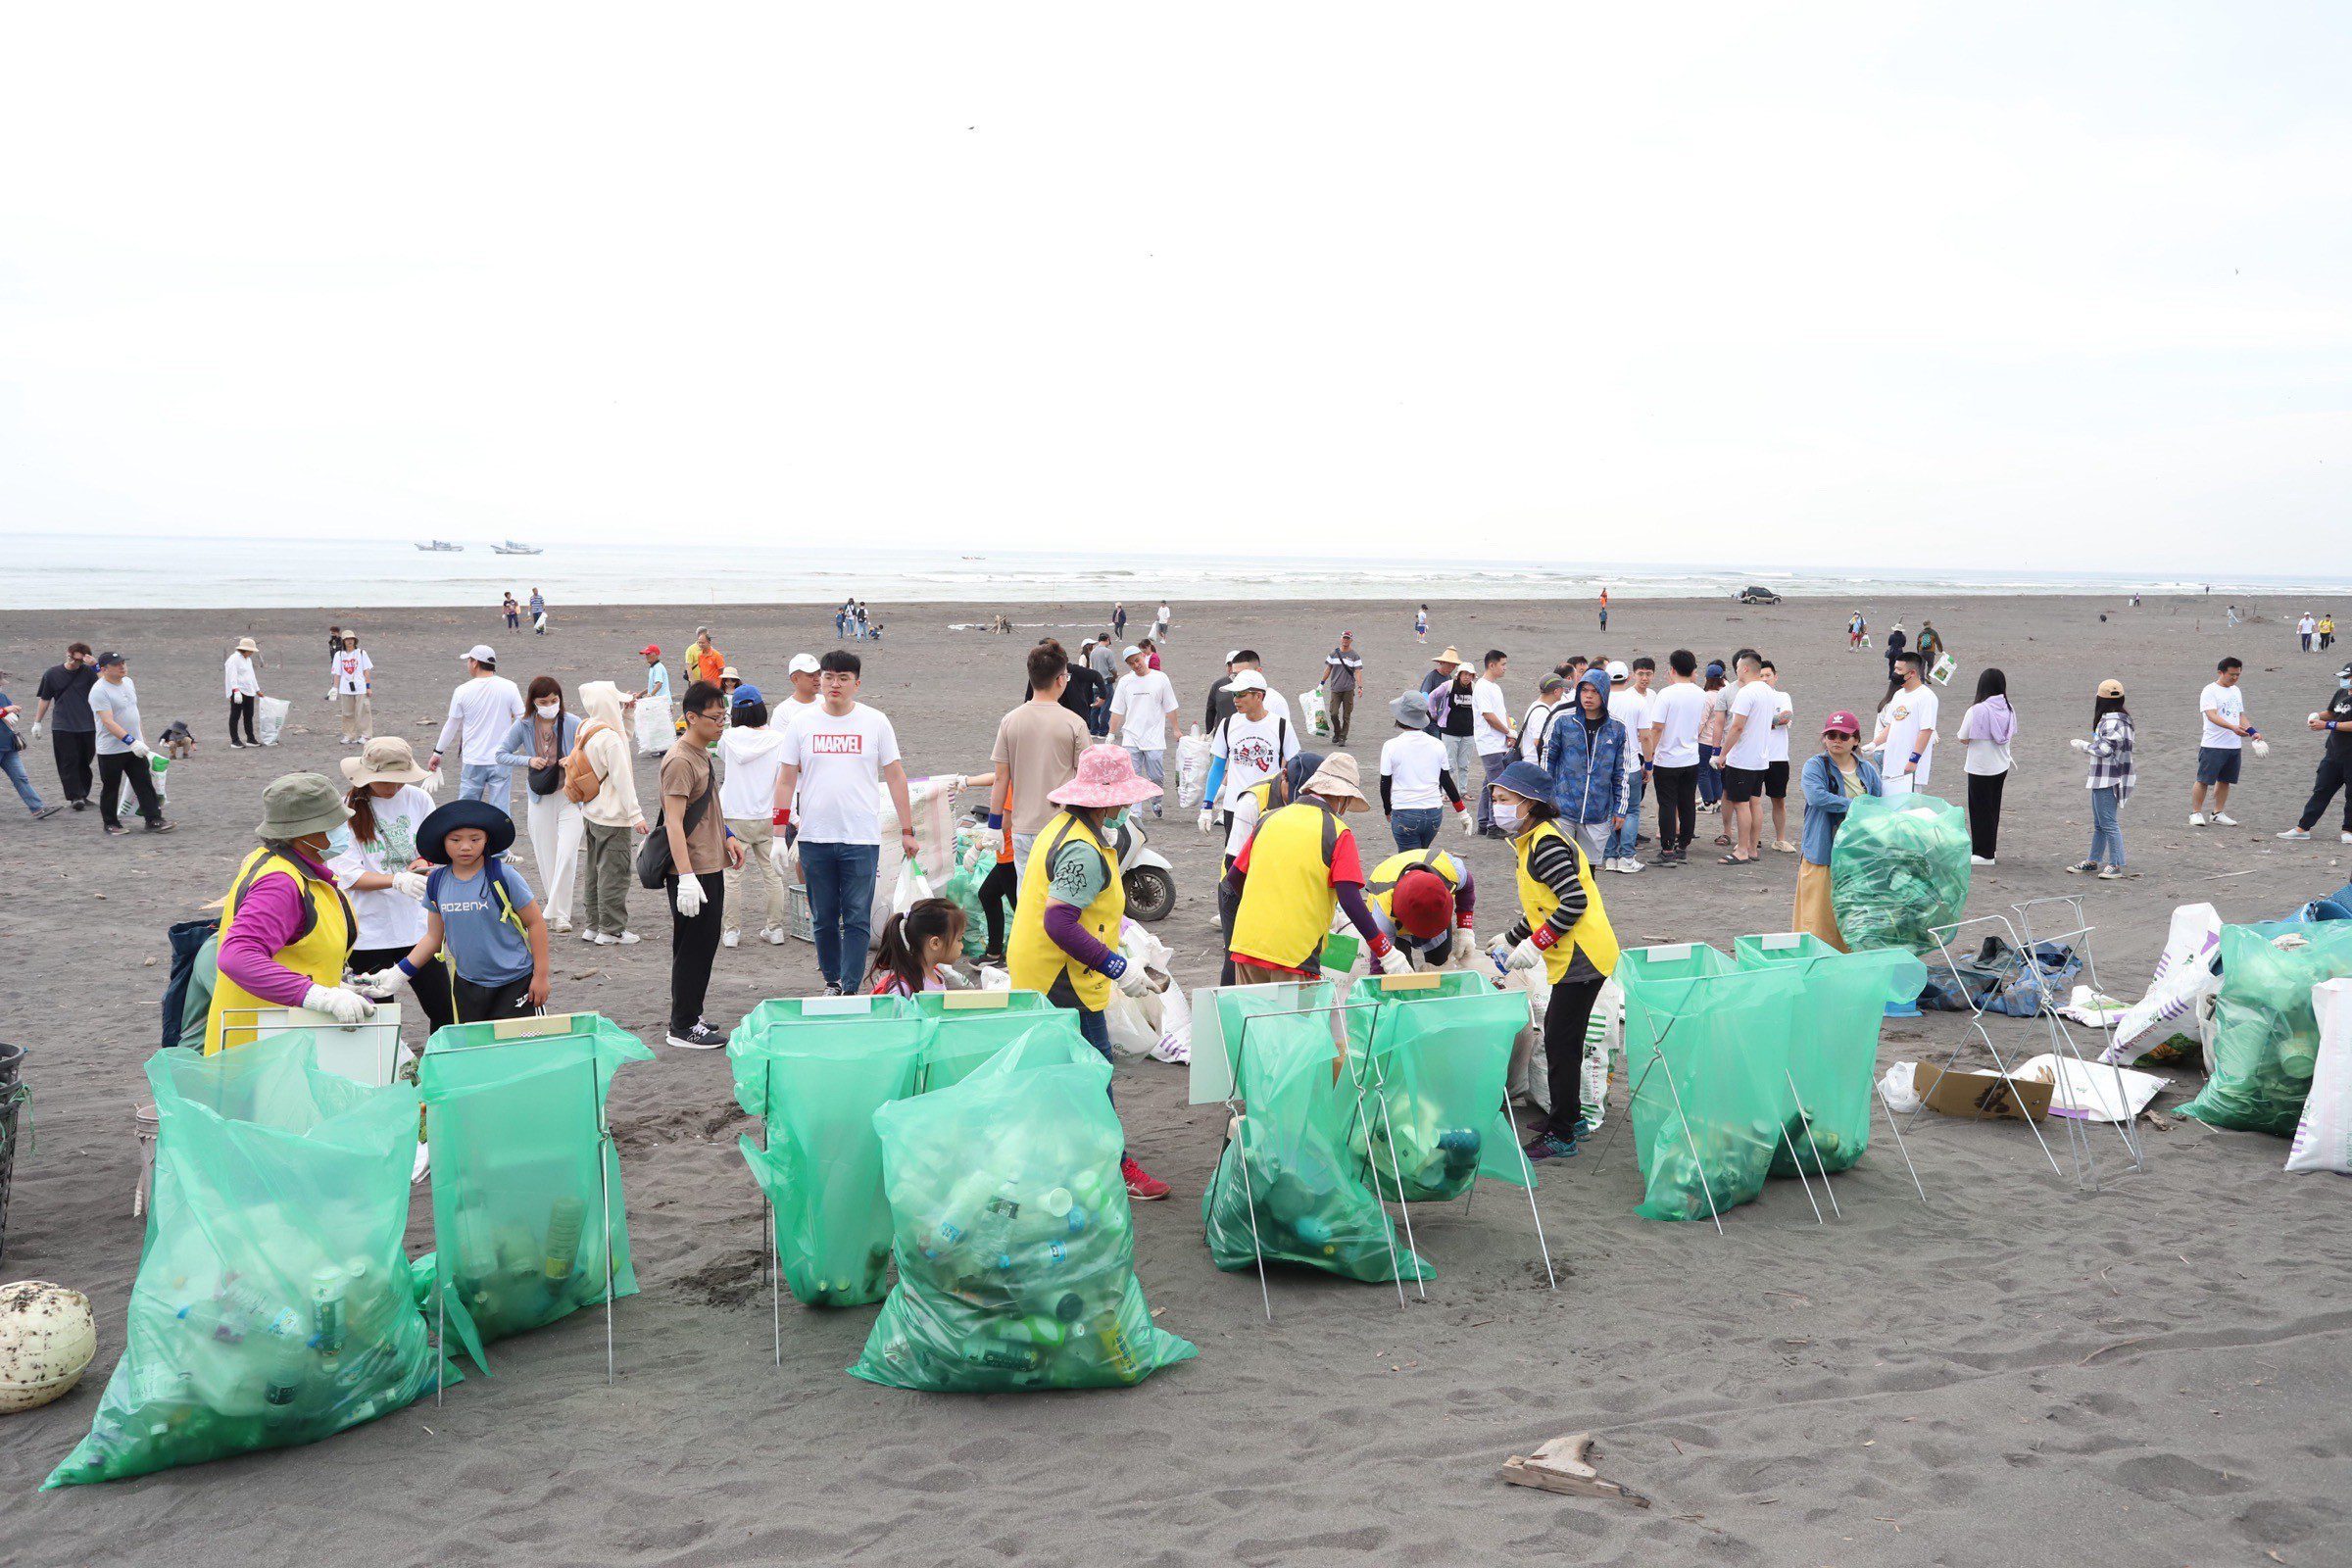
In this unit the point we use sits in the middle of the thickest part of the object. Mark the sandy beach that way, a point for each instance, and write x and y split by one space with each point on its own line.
2017 1370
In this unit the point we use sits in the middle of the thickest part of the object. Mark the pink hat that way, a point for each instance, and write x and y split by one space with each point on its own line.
1842 721
1105 776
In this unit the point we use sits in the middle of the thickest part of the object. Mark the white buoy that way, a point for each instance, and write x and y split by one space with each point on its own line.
47 1340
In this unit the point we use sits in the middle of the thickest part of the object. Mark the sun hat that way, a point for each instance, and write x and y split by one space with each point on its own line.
748 693
1410 710
1451 655
1421 903
435 829
1336 782
1105 776
1618 673
480 654
1249 680
2111 688
1525 779
298 805
385 760
650 651
246 645
1840 722
801 664
730 672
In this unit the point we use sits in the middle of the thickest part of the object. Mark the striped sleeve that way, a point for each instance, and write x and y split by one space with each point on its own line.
1553 863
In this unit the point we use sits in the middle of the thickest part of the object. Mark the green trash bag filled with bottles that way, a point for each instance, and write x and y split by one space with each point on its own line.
527 1208
1899 869
2265 1039
1290 1185
1431 1062
1015 1247
272 1302
975 857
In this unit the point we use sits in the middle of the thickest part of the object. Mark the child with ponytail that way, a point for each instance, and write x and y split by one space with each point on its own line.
917 948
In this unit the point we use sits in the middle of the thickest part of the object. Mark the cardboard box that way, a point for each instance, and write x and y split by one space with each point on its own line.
1982 1096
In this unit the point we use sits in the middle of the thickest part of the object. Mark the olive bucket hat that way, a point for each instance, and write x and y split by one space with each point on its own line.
299 805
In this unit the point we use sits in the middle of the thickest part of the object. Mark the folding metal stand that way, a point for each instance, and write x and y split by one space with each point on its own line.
2126 1125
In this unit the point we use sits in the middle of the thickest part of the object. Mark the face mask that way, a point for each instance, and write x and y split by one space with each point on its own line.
1507 817
2343 683
550 709
1116 820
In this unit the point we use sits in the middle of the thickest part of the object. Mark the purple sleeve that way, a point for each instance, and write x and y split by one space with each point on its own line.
266 920
1359 913
1465 897
1063 929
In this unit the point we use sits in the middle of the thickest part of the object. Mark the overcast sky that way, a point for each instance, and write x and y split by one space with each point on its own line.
1899 286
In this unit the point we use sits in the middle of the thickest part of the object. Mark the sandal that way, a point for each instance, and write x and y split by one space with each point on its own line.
1734 860
1724 839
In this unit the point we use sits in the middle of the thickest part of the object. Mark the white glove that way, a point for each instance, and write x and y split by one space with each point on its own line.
36 730
1209 818
433 781
782 856
1464 944
1135 980
2262 747
958 783
409 884
2080 744
1469 821
344 1006
690 895
1526 956
382 983
138 749
1394 961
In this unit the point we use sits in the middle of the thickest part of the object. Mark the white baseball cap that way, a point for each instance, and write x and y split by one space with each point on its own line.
1618 671
801 664
480 654
1231 656
1249 680
1131 651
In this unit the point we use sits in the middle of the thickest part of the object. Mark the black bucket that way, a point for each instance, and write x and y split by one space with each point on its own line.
13 1096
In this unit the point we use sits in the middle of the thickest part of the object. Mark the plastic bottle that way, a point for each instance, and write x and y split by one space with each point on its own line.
328 1287
565 1220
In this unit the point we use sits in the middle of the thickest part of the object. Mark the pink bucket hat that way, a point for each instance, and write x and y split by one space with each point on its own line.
1106 776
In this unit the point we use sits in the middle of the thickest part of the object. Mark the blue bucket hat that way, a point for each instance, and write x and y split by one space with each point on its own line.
446 819
1526 779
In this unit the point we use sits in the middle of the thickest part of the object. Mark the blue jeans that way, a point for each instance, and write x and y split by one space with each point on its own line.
1415 828
2106 832
1621 842
12 763
841 900
487 781
1154 766
1710 778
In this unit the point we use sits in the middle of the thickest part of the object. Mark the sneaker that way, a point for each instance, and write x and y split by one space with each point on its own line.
83 804
1979 859
48 812
159 825
2196 819
560 926
627 939
996 959
236 746
728 939
2345 837
591 933
699 1036
423 1166
832 990
2223 819
2081 866
773 936
2112 873
1142 1186
114 829
2298 833
1610 863
1543 1146
1627 865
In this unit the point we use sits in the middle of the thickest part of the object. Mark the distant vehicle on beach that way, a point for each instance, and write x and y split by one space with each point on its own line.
513 548
440 547
1758 596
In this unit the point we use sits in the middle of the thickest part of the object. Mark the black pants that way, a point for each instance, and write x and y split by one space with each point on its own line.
1677 790
997 894
112 769
76 751
481 1004
431 987
693 944
1984 812
1229 905
1564 1020
241 711
2334 775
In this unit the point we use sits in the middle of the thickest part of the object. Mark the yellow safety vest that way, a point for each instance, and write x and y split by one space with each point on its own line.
1592 934
1287 899
1035 960
1381 887
321 945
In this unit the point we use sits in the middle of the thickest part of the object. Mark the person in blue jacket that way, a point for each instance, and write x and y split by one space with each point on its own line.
1834 777
1585 757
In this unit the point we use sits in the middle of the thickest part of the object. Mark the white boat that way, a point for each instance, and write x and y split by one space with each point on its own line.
514 548
440 547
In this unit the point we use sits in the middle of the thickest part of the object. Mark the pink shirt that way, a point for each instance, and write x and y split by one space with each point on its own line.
267 918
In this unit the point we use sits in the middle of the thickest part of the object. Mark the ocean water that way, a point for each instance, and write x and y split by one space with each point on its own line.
59 571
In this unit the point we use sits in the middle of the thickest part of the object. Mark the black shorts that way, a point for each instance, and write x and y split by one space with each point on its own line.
1742 784
1776 779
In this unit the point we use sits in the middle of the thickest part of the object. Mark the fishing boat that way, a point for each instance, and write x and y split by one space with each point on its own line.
514 547
440 547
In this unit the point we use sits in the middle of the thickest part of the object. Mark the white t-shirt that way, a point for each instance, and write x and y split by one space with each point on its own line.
480 712
2229 702
1754 709
1631 708
1905 719
1677 712
1142 703
387 919
1253 749
1486 698
841 763
1776 749
1534 730
1411 763
352 668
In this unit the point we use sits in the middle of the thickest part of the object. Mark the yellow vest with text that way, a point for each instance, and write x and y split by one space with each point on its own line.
1593 935
322 946
1287 899
1033 958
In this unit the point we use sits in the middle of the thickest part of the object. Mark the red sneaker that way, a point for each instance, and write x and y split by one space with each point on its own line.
1142 1186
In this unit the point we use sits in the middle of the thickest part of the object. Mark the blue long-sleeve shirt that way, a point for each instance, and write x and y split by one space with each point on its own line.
1825 802
519 748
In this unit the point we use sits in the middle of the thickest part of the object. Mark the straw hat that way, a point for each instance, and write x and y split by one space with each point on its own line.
299 805
1105 776
385 760
1451 655
1336 782
246 645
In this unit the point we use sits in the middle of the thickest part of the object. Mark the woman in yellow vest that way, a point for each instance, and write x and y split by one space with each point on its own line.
286 929
1427 902
1298 869
1065 919
1563 928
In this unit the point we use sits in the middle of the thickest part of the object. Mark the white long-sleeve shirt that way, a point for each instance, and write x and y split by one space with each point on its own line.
240 677
480 712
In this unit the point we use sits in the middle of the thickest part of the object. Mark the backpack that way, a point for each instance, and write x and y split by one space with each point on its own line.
581 781
187 939
654 865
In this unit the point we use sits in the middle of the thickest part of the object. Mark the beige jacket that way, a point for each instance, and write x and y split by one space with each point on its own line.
615 760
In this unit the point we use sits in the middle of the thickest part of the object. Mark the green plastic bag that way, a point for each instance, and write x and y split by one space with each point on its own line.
1014 1243
273 1303
1290 1183
975 857
961 1029
1432 1064
1704 1138
2266 1040
524 1172
1836 1005
1898 869
816 1070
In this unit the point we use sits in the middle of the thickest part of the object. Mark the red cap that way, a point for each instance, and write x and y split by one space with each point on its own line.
651 651
1842 721
1421 904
